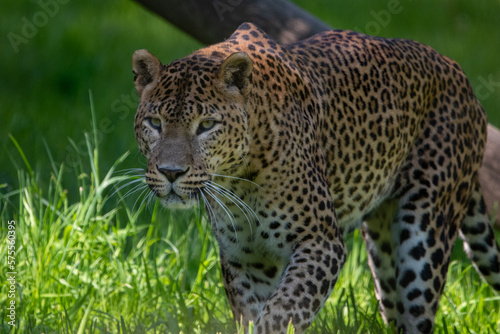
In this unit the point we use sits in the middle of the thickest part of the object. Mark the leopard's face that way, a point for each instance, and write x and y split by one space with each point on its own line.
188 134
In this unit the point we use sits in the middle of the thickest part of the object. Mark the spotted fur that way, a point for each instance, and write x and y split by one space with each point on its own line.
289 146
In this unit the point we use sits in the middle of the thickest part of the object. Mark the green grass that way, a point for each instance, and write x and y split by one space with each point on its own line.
94 265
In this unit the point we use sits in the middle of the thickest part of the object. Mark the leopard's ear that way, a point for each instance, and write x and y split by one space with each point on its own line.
146 69
236 73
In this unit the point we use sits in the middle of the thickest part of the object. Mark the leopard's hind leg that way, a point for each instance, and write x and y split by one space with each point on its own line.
410 249
479 239
409 256
376 231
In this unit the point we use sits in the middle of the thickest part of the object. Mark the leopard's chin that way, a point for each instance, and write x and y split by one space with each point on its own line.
176 202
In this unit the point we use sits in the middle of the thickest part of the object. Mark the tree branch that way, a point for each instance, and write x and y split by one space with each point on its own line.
214 20
489 174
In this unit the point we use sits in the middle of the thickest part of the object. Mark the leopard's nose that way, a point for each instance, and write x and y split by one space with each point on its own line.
172 173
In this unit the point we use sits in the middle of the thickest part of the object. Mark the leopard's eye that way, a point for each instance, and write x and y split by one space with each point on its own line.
206 125
155 123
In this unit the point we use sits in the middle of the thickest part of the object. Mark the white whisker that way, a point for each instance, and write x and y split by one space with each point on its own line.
151 200
141 196
135 189
226 209
129 183
244 208
234 198
129 171
198 198
236 178
210 210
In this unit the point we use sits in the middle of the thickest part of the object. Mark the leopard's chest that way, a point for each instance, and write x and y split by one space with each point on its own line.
247 233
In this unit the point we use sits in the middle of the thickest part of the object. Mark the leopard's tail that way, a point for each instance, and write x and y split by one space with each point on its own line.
479 239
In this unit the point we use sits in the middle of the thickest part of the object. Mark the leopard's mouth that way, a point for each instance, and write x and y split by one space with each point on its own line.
173 200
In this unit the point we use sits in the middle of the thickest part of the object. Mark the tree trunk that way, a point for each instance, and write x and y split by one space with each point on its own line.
212 21
489 174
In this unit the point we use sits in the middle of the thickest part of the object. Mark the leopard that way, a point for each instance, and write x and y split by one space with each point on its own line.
288 148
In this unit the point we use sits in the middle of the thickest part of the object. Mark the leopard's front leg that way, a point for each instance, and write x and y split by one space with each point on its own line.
305 286
271 290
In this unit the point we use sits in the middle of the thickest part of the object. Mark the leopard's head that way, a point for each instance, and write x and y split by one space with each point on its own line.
192 120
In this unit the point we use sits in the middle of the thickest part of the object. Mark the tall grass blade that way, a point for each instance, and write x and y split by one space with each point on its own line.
23 156
83 323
